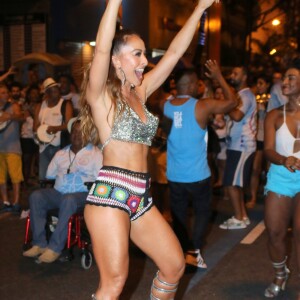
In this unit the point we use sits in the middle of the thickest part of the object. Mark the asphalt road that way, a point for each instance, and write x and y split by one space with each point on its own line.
238 266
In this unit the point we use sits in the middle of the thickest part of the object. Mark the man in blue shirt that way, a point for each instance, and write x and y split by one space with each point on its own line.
71 167
188 172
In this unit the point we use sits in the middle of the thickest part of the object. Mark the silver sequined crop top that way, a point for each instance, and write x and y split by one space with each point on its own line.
128 127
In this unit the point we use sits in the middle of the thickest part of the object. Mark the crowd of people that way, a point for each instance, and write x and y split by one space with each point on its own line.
33 122
213 132
249 152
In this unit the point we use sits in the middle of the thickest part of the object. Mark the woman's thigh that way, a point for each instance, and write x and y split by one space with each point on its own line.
109 231
278 212
153 235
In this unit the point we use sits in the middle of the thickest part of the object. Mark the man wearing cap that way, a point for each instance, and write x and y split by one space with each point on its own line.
71 167
49 122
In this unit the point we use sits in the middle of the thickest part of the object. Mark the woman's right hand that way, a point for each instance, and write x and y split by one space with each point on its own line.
207 3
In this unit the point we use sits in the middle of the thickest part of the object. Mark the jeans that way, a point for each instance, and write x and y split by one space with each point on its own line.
40 202
44 160
200 193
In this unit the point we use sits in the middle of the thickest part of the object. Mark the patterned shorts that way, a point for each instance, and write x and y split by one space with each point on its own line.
123 189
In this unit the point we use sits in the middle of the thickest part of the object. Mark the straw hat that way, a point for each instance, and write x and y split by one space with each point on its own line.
71 122
49 83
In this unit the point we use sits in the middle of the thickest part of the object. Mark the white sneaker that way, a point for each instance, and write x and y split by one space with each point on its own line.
53 223
247 221
194 258
24 214
233 223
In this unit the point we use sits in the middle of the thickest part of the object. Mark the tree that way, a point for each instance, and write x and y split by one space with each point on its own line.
286 42
243 17
237 23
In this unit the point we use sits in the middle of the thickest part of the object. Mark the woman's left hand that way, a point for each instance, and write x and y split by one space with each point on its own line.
292 163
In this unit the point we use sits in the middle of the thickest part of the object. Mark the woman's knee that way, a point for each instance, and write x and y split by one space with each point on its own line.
173 272
180 268
276 236
112 285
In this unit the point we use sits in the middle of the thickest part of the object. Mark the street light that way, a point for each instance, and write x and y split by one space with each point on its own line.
276 22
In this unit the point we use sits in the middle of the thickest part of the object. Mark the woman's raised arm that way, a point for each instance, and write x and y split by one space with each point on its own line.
177 48
101 61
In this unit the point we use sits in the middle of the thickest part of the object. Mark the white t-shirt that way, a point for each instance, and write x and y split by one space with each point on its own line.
242 134
51 116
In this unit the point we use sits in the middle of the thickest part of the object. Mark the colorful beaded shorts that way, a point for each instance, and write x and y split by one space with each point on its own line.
123 189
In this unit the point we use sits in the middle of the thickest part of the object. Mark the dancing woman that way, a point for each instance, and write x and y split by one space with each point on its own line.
113 113
282 149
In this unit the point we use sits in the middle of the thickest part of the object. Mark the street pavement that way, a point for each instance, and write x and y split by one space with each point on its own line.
238 265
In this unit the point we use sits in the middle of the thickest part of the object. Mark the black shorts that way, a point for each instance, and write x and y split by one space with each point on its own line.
238 168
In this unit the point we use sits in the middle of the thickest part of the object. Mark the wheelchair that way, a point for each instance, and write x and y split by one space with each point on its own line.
77 233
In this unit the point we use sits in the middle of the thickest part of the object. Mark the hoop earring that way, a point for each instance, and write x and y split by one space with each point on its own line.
123 79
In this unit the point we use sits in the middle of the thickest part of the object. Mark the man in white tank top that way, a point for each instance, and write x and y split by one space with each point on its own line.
49 113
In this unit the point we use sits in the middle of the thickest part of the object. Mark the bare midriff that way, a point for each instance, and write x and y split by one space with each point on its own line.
126 155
